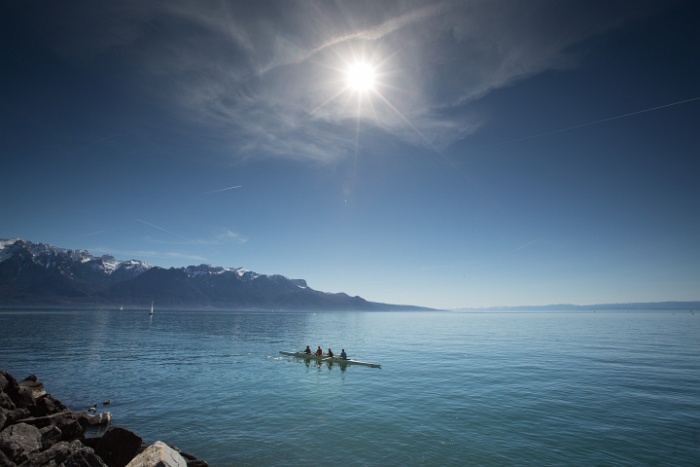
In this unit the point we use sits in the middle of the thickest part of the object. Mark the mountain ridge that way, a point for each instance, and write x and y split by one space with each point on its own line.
39 274
658 306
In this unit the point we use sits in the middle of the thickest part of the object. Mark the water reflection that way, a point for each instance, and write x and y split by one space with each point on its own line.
329 365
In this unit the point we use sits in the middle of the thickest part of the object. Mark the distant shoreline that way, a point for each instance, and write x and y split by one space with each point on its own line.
84 307
639 306
689 306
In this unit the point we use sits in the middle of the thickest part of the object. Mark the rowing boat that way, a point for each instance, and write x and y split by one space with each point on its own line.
326 358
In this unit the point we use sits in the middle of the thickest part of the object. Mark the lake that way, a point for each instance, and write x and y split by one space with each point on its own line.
455 388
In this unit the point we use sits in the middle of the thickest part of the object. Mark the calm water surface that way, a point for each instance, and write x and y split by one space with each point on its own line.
454 388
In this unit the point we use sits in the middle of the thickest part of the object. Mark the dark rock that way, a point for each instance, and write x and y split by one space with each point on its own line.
6 402
68 422
118 446
5 461
13 416
47 405
57 453
3 381
32 383
65 454
37 430
8 383
23 397
20 441
12 389
50 435
46 420
70 428
84 459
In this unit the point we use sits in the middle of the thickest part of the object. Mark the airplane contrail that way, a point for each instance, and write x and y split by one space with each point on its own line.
596 122
526 245
223 189
160 228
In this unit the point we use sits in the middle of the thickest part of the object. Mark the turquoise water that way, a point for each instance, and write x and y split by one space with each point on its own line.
454 388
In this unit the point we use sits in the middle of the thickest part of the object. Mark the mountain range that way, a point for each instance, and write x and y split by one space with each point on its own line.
637 306
38 274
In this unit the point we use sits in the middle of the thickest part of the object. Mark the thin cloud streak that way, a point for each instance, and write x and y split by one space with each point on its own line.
222 190
271 67
161 229
595 122
152 254
230 235
526 245
372 34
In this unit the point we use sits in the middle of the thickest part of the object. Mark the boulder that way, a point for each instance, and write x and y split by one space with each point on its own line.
83 458
37 430
23 397
46 404
5 461
50 435
191 460
20 441
32 383
66 454
3 380
187 457
8 383
158 454
98 419
20 397
118 446
70 428
6 402
17 415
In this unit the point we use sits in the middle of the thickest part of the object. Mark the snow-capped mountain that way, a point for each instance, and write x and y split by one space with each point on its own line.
41 274
78 265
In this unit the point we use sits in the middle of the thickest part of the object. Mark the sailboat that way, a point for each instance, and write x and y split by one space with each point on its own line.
151 313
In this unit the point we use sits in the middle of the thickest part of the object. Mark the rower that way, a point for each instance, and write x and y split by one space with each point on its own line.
307 350
319 352
330 352
343 355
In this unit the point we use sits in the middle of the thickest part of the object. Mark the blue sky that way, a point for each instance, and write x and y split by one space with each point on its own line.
508 153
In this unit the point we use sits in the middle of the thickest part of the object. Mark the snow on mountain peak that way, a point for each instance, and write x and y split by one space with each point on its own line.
207 270
45 254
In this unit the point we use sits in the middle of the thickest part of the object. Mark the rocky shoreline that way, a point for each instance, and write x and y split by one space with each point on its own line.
37 430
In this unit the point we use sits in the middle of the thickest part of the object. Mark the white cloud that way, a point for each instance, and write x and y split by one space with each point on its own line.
266 79
230 235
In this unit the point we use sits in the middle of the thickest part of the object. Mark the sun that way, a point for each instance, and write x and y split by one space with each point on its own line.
361 77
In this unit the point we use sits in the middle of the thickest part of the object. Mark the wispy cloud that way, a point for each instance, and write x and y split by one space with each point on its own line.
526 245
230 235
148 255
161 229
596 122
222 190
262 78
165 249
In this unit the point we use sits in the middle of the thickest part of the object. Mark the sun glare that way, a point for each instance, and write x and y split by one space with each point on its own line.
361 77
